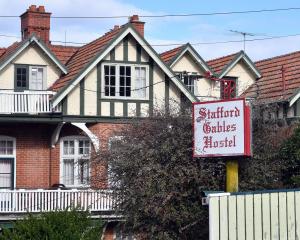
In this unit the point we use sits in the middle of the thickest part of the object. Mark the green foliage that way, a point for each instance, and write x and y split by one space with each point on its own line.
159 184
58 225
158 181
290 154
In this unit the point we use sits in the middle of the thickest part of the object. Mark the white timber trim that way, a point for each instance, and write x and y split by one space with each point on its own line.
25 45
93 137
200 61
149 51
61 66
55 134
232 64
294 98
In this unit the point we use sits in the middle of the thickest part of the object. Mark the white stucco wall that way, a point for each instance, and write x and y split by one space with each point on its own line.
74 101
90 94
158 88
32 55
244 75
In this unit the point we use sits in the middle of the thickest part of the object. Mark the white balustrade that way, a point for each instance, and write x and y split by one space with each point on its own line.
24 201
31 102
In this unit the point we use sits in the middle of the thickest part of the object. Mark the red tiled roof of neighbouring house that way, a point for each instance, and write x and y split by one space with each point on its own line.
218 64
271 86
169 55
9 50
63 53
2 51
83 57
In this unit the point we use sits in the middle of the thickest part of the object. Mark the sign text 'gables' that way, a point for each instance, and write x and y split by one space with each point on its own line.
221 128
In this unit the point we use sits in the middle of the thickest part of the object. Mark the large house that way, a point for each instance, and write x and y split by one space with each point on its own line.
60 104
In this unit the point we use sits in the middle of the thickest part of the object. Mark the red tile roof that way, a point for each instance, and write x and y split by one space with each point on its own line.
63 53
83 57
168 56
218 64
6 52
271 86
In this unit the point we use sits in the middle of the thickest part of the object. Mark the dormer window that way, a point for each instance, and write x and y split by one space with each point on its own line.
30 77
189 79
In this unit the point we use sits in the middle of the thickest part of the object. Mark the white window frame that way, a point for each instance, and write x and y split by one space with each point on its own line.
117 65
76 157
44 83
189 74
13 155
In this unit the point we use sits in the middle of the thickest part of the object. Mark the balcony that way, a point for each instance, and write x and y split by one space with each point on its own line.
18 202
27 102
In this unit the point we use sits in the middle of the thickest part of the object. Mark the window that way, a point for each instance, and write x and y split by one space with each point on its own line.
36 78
75 161
29 77
125 81
188 79
228 88
7 156
21 77
140 81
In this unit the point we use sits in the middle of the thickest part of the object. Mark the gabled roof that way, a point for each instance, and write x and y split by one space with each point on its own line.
270 88
17 48
168 56
88 56
172 56
83 57
218 64
224 64
63 53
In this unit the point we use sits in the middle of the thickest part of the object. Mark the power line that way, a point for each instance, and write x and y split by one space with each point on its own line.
171 15
179 44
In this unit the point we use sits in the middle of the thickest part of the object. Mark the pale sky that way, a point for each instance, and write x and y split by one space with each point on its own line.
169 30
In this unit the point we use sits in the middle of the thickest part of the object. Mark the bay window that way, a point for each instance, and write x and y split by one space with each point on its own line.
125 81
75 161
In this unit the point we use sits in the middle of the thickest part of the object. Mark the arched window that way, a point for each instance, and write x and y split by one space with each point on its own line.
7 162
75 161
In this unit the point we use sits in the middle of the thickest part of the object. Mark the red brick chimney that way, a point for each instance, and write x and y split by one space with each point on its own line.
139 26
36 20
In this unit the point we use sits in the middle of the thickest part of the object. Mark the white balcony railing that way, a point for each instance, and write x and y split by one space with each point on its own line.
33 201
32 102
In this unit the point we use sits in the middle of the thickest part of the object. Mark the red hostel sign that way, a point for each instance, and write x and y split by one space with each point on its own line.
221 128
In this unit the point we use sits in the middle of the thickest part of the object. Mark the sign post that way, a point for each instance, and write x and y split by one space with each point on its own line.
222 129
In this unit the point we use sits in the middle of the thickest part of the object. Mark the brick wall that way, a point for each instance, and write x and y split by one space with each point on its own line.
38 165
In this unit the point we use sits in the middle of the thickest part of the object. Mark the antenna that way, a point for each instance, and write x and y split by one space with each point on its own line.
65 37
244 36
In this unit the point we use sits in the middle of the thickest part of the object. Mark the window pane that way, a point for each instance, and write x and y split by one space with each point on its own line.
68 147
21 77
125 81
6 147
122 70
36 78
106 70
140 82
110 80
5 173
68 171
